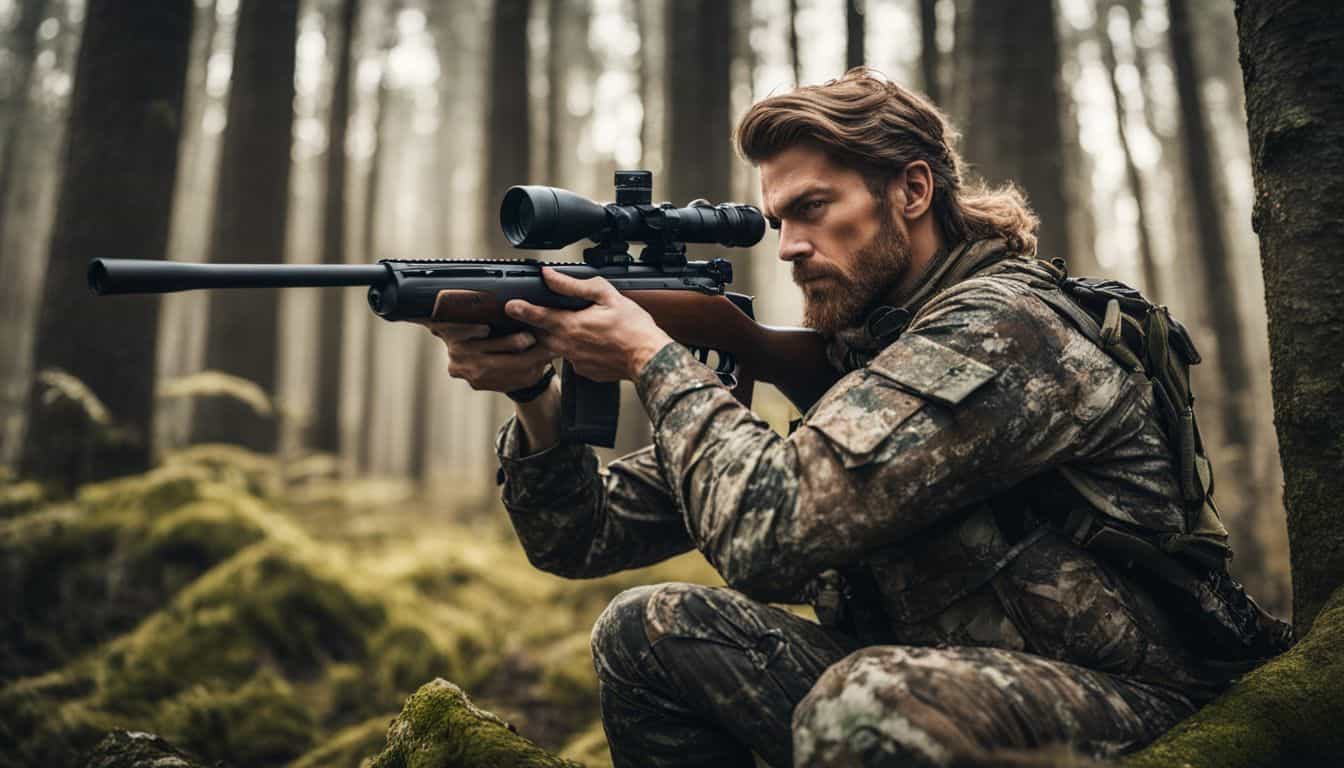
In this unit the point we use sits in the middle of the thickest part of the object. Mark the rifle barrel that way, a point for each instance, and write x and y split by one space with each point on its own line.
112 276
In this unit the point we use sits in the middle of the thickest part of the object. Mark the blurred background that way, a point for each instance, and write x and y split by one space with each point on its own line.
335 131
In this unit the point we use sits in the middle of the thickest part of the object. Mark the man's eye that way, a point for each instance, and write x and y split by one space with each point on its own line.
811 206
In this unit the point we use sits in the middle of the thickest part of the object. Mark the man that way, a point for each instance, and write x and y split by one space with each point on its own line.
906 507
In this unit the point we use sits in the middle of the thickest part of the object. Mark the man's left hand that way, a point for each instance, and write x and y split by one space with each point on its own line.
611 340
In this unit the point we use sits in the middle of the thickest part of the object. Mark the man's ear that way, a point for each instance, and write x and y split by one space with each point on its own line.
916 186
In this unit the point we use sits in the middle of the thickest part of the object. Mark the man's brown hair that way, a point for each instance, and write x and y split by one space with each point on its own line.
874 126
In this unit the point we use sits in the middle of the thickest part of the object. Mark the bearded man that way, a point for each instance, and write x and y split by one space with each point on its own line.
955 619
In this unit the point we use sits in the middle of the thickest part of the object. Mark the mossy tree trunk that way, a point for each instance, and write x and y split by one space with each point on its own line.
115 201
1295 108
251 205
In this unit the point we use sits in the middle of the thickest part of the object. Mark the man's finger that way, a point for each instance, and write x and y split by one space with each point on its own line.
594 289
514 342
541 317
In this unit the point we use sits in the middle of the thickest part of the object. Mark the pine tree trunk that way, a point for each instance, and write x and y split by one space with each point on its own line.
1213 253
1295 109
23 50
1152 284
373 197
854 33
1014 131
250 210
699 149
928 49
794 59
115 201
326 434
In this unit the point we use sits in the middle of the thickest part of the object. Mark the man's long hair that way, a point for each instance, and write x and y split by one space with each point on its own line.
865 122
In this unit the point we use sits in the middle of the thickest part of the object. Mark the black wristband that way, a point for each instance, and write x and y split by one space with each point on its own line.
528 394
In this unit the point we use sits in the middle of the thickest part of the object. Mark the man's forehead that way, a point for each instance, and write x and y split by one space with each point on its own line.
794 172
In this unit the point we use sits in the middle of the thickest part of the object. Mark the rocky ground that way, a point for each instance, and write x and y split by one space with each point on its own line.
258 615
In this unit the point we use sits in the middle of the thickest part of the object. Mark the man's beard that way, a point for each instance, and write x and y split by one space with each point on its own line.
842 300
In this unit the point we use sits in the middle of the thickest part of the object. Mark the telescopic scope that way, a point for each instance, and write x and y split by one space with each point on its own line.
549 217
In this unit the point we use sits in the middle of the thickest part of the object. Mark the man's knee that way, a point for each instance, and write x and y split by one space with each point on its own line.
636 618
860 713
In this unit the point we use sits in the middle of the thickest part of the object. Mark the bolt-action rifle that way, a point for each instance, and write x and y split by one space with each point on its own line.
687 299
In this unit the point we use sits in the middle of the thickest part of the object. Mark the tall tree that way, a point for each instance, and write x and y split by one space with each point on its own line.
373 197
508 131
1295 109
1152 285
794 60
854 31
1014 129
115 199
23 50
251 205
928 49
699 156
1212 251
326 434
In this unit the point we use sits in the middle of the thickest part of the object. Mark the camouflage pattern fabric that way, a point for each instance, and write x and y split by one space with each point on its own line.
899 474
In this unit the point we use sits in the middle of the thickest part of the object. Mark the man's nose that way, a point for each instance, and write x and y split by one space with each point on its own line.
792 245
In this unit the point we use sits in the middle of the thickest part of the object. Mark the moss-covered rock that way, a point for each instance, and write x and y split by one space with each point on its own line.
136 749
20 498
1288 712
440 728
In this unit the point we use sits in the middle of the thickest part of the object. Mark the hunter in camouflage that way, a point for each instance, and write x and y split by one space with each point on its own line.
915 506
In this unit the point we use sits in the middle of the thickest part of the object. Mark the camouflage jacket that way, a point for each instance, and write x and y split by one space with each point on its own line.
899 467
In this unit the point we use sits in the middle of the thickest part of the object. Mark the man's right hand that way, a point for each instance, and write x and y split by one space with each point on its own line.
501 364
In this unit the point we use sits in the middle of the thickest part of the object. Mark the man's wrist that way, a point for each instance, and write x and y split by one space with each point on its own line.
644 353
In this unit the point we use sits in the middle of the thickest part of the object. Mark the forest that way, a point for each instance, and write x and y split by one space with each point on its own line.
254 522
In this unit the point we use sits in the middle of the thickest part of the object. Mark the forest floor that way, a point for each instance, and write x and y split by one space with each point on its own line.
263 615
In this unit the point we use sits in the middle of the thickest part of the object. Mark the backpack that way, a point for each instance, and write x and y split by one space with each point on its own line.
1186 570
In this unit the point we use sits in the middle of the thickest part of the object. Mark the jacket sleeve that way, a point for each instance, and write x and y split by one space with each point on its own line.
576 520
985 389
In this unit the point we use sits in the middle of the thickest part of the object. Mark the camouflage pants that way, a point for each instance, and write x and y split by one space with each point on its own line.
699 676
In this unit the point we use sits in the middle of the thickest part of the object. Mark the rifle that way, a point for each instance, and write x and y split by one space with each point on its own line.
687 299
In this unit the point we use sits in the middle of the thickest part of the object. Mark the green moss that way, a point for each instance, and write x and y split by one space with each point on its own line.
153 493
349 747
440 727
568 678
266 603
20 498
1287 712
589 747
260 723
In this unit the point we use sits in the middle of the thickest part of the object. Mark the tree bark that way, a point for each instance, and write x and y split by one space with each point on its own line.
326 435
251 205
368 247
854 33
1014 132
115 200
1295 109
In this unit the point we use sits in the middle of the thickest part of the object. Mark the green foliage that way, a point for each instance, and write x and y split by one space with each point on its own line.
1284 713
